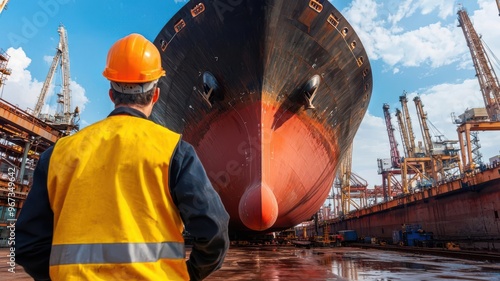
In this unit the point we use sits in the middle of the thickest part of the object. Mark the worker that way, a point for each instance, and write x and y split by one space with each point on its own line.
111 202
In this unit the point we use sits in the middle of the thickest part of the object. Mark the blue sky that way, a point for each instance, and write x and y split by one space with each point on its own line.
412 45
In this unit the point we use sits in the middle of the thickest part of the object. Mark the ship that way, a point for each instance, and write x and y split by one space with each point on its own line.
270 93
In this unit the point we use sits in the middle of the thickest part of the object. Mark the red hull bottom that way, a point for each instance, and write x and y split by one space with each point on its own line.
272 169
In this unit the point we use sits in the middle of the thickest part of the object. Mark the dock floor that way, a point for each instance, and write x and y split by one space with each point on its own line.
271 263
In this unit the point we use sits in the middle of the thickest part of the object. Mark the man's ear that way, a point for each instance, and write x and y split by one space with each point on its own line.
111 95
156 95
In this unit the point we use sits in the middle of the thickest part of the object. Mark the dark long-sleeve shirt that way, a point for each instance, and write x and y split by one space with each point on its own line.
202 212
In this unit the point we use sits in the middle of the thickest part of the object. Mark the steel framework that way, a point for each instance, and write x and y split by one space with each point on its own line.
64 119
490 89
488 81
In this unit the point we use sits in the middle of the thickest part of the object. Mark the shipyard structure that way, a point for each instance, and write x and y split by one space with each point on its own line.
440 192
271 93
26 133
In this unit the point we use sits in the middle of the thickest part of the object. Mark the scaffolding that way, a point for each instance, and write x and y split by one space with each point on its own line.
4 70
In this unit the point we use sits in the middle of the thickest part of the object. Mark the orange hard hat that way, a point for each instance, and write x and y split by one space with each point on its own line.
133 59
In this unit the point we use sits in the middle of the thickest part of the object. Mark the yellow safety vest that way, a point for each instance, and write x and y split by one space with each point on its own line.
114 217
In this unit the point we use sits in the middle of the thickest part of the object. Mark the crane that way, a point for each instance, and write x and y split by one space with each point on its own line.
395 157
409 129
485 73
422 119
63 119
404 132
490 89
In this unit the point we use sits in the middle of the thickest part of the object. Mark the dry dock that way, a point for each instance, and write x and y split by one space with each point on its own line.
289 263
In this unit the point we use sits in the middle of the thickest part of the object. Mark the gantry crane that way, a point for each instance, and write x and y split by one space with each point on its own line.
441 153
395 157
490 89
413 165
389 183
64 119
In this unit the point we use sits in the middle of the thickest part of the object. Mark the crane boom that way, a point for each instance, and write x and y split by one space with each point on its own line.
488 81
404 132
46 84
422 119
407 118
65 70
395 157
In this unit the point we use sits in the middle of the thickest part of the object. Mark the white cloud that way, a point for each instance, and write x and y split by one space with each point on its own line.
371 142
78 97
380 30
48 59
486 23
445 8
23 90
384 29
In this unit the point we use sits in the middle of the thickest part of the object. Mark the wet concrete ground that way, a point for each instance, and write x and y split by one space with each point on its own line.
269 263
289 263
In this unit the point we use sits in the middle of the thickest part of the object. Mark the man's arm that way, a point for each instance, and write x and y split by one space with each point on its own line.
34 226
202 211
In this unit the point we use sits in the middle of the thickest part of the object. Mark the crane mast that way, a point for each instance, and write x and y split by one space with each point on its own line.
395 157
47 83
64 119
488 81
404 132
408 126
422 119
66 93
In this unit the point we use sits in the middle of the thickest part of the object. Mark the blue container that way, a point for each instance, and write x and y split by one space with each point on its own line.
349 235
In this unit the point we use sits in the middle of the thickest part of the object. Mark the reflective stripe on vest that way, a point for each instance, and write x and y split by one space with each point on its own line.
115 253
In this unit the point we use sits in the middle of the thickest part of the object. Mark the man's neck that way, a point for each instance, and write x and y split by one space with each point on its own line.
144 109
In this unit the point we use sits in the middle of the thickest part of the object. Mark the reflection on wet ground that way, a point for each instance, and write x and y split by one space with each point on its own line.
321 264
289 263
